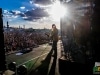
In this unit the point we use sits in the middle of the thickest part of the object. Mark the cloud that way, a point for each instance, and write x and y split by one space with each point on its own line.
7 14
12 14
22 8
43 2
35 14
5 11
15 12
33 11
31 2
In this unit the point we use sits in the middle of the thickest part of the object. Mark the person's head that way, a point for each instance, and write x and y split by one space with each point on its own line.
53 26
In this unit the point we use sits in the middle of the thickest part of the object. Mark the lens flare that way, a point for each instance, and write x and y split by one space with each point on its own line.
57 11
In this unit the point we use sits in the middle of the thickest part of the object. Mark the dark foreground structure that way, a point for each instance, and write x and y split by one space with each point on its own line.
81 40
2 51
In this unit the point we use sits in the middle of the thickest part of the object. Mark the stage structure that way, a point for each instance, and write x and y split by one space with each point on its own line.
2 51
75 30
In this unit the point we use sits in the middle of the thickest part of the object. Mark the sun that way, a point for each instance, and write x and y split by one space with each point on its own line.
57 11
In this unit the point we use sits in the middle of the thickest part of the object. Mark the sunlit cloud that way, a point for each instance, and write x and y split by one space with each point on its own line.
43 6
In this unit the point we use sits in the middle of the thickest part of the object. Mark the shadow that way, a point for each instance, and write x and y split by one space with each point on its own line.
53 67
75 68
71 68
44 67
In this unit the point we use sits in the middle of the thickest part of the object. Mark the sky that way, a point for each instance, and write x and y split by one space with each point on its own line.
35 14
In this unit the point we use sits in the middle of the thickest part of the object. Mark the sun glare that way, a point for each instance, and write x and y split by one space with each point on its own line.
57 11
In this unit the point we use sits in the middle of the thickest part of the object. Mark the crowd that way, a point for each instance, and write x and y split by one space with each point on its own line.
19 40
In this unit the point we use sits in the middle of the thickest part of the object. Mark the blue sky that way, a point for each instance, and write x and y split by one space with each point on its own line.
31 13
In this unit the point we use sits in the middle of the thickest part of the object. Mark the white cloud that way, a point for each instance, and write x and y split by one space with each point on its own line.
31 2
25 17
15 16
17 11
5 11
42 6
22 7
11 16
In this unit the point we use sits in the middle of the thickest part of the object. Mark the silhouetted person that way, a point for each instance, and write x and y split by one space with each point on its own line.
54 38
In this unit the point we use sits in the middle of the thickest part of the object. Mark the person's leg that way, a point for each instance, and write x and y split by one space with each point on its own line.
55 47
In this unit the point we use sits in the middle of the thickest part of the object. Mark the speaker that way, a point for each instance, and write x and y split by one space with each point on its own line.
22 70
12 66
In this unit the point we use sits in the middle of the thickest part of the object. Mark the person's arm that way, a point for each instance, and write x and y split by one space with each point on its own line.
51 34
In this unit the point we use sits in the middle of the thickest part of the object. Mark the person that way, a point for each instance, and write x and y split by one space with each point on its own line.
54 38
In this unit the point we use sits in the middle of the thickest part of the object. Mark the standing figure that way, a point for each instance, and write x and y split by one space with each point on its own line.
54 38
